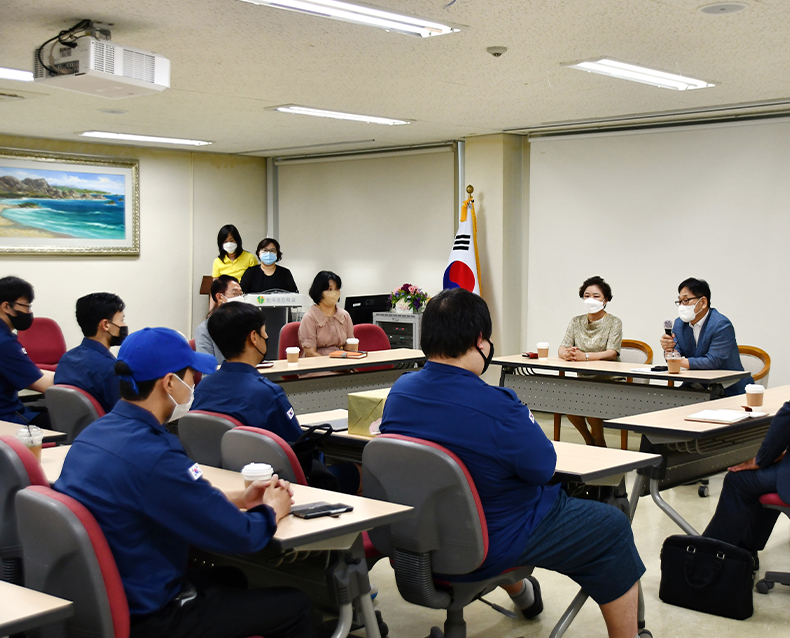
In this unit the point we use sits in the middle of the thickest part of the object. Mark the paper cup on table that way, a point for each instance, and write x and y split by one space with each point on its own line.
754 395
256 472
352 344
292 354
673 363
543 350
31 437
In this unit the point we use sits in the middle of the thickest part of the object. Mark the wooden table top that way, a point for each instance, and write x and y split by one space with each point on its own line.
328 364
9 429
291 531
672 422
23 608
620 369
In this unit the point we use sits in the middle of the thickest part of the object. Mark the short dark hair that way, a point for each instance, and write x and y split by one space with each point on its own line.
230 324
264 242
321 283
144 388
13 288
697 287
452 322
95 307
606 289
220 285
228 229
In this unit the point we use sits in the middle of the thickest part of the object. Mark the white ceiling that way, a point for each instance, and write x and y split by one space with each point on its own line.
231 60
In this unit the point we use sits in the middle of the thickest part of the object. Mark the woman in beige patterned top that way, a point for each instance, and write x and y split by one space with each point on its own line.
594 336
325 327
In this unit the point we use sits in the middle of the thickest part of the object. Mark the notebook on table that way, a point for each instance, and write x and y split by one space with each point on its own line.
726 417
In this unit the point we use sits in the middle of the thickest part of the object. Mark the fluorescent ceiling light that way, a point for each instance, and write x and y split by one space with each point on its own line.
641 74
361 14
15 74
143 138
337 115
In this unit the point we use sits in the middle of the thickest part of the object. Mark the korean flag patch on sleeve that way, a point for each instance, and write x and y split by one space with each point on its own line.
290 413
195 472
531 417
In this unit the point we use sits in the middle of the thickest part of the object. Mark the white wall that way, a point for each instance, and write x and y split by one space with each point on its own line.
647 209
178 191
377 222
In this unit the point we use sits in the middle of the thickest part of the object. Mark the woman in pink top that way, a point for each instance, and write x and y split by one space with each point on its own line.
325 327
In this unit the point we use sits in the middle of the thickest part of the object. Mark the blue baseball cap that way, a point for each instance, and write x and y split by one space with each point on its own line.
151 353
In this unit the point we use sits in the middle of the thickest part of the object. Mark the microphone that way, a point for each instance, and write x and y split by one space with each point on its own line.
668 326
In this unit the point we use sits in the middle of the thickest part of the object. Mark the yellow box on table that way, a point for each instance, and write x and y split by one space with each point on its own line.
364 408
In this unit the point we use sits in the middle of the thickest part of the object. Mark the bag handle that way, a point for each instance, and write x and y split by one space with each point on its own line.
326 431
688 568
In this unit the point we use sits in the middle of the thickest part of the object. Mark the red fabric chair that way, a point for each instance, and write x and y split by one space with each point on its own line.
244 444
289 338
71 409
371 338
197 376
18 470
772 501
43 342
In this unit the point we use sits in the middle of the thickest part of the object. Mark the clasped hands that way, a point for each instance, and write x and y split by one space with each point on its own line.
276 493
572 353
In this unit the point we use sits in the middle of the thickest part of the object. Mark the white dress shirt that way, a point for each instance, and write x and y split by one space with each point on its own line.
697 327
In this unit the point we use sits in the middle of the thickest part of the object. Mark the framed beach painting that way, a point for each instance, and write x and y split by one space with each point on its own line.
68 204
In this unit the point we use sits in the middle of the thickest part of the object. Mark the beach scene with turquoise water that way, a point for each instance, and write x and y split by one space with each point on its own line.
61 204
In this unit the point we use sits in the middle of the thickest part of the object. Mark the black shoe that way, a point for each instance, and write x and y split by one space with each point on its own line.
756 562
537 605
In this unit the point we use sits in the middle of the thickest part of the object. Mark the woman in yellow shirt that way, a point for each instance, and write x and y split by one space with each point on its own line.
233 260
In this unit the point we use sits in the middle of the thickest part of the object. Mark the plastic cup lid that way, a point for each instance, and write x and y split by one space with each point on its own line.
754 388
257 471
292 349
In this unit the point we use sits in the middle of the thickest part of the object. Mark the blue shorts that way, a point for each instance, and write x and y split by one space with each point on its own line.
591 543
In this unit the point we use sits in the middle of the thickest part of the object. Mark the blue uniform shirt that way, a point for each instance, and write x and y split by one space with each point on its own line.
495 435
239 390
152 504
91 367
17 372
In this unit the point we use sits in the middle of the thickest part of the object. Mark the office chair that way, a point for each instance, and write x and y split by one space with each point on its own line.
446 538
769 579
371 338
44 343
201 435
756 362
289 338
18 469
640 353
244 444
71 409
197 376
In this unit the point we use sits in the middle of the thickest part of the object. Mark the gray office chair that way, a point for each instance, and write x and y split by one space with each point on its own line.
201 435
71 409
243 445
445 539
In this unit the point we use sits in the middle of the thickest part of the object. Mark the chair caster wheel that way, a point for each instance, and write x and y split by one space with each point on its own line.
436 633
703 491
645 633
764 586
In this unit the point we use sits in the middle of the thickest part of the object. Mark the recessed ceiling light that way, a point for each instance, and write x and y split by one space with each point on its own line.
721 8
361 14
641 74
337 115
144 138
15 74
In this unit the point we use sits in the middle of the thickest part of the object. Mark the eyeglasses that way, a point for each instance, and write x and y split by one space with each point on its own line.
24 305
686 302
270 250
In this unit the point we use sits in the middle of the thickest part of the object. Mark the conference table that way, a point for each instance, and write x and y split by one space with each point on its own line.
545 386
7 428
22 609
323 383
692 450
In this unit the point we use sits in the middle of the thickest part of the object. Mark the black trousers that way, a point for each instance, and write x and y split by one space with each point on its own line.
224 608
740 519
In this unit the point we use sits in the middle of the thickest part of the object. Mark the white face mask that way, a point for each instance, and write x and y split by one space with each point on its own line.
229 247
687 313
592 305
182 408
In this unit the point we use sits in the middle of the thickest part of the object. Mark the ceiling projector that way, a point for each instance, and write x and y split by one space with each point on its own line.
102 68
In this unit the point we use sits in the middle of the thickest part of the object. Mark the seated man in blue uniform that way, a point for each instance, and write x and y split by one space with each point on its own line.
152 504
704 338
511 461
17 371
239 390
223 289
91 366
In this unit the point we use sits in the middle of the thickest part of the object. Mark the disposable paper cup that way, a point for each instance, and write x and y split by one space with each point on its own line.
352 344
754 395
673 365
543 350
32 437
292 354
256 472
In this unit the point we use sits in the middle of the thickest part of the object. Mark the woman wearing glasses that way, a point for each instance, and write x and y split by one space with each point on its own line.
268 276
704 338
593 336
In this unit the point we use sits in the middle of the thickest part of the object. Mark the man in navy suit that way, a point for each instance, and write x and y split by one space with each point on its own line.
703 336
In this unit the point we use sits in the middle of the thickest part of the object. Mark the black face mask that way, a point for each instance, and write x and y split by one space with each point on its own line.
21 320
486 359
263 354
117 340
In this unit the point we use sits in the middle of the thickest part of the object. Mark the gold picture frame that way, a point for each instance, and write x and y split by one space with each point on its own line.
54 203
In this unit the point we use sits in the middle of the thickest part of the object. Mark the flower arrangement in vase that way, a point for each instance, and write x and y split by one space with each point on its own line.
408 299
